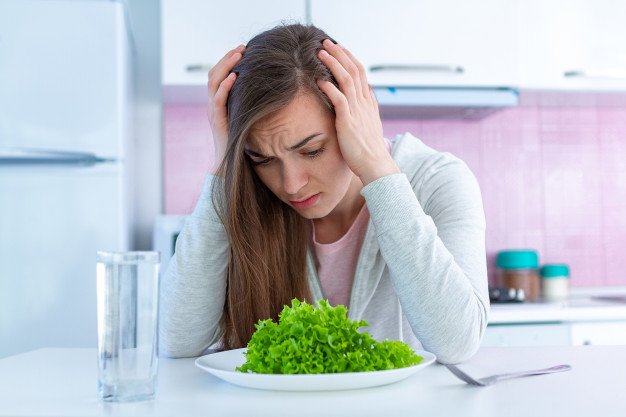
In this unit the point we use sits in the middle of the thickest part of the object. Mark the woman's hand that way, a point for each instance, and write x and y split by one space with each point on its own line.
358 124
221 80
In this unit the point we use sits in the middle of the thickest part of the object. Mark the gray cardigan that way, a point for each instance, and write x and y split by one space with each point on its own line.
421 275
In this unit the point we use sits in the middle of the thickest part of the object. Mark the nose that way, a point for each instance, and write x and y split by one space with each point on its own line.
294 177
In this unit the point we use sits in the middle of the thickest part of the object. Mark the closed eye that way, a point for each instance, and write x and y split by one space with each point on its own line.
265 161
315 153
261 162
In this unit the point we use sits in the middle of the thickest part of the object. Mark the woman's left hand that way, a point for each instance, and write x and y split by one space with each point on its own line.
358 124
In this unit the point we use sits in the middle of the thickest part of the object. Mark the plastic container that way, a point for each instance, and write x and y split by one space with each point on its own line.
554 282
519 269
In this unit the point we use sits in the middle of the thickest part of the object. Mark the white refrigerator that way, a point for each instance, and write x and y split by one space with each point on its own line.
65 123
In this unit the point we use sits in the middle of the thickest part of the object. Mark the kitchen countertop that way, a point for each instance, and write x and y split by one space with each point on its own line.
62 382
579 307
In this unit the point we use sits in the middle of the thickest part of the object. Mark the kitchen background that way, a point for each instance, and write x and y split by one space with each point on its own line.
552 175
552 168
530 94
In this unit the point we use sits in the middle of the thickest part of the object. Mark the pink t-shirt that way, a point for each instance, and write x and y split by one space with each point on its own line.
336 262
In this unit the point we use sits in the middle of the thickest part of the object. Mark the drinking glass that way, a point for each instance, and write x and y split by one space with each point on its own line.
127 293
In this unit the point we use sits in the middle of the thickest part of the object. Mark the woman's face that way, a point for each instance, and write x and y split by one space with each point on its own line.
295 153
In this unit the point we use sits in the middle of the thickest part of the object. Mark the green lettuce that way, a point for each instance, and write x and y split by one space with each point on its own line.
310 340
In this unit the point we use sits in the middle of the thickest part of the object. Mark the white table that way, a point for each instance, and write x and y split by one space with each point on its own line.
62 382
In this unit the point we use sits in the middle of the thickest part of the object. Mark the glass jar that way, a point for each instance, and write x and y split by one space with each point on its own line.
519 269
554 282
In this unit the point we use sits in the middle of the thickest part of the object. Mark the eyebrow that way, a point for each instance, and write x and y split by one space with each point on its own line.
298 145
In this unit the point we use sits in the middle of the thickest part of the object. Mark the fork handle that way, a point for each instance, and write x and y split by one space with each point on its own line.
558 368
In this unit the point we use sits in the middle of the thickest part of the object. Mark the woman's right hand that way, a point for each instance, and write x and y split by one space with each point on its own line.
221 80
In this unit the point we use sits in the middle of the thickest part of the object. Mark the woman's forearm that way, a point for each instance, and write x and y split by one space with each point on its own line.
437 263
193 288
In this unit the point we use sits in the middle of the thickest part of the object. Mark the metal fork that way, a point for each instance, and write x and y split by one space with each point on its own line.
490 380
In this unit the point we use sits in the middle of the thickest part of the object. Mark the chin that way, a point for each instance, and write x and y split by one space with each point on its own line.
310 214
313 213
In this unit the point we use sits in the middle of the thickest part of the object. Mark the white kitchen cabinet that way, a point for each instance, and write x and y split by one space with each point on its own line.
196 34
527 335
599 333
426 42
589 316
557 334
572 44
528 44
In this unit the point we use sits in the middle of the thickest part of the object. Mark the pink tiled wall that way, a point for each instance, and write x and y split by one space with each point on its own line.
553 177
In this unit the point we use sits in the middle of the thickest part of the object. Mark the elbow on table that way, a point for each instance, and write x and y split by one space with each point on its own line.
178 352
462 347
456 354
175 347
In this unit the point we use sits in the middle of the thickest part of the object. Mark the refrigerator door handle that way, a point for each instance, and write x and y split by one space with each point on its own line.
24 156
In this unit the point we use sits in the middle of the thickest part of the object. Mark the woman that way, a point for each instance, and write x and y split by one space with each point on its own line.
311 201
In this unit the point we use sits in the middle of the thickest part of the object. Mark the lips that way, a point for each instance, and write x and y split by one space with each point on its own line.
305 203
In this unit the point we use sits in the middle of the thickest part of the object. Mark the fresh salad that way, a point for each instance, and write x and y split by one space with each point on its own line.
315 340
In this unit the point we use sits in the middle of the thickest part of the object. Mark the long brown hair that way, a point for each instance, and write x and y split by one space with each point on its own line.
268 239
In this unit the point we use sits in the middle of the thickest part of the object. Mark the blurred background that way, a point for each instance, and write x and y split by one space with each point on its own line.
105 143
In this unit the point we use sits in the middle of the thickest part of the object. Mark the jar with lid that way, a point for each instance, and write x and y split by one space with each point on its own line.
519 269
554 281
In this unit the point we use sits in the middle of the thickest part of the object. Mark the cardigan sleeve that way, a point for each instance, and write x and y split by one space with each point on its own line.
434 248
193 289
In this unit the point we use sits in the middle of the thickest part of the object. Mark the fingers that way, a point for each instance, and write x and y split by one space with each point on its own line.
221 96
340 102
372 95
344 71
365 88
221 81
349 67
220 71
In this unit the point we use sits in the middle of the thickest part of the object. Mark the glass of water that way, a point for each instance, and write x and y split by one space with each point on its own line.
128 294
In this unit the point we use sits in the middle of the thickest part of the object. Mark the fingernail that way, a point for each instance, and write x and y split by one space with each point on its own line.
323 53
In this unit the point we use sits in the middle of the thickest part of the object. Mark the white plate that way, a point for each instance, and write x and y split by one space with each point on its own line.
223 364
